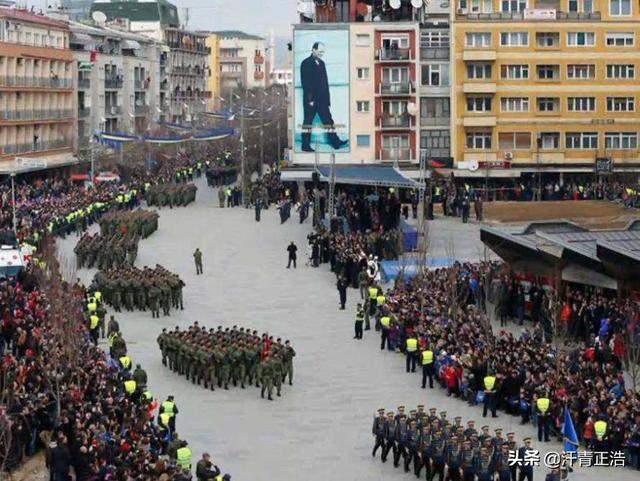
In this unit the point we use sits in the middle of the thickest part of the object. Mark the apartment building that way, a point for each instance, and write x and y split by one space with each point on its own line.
243 61
118 80
184 67
545 85
37 99
213 44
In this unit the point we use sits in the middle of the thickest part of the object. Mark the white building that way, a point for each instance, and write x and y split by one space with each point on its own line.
281 76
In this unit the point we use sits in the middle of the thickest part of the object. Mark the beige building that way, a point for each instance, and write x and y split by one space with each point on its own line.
243 61
213 43
37 99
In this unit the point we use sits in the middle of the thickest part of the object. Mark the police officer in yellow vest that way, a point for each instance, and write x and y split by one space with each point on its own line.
359 322
489 396
169 407
130 387
379 303
385 325
184 456
542 412
600 443
94 328
372 294
411 353
427 368
125 362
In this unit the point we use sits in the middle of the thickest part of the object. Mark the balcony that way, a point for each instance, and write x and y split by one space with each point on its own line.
112 110
35 114
395 121
84 112
113 83
533 14
429 154
479 88
479 55
405 88
9 149
84 83
394 55
401 154
434 53
435 121
35 82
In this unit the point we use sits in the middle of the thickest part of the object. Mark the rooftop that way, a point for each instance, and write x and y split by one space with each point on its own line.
156 11
236 34
29 17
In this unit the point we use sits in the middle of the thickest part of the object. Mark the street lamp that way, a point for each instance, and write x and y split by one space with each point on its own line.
13 203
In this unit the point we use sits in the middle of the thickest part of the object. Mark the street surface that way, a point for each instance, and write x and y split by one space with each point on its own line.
320 428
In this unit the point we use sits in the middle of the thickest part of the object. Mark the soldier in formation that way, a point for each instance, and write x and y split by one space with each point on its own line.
163 195
105 252
231 355
147 288
451 450
140 222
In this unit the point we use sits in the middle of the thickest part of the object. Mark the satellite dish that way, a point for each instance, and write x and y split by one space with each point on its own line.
412 108
395 4
416 3
99 17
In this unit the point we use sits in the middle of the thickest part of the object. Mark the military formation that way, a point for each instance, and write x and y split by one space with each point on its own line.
171 195
140 289
140 222
224 356
106 252
448 449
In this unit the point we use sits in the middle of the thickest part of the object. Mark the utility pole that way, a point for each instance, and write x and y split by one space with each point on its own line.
13 203
91 154
242 156
332 186
261 135
279 114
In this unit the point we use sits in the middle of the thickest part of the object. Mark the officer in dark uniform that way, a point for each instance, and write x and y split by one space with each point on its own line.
513 446
468 461
526 470
484 465
438 450
425 450
378 430
454 449
359 322
389 437
401 440
412 446
502 463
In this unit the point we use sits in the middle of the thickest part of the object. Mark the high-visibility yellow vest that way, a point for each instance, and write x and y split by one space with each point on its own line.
360 315
125 361
412 344
218 478
164 419
92 307
489 382
184 457
168 407
601 429
543 404
373 292
427 357
385 321
380 300
110 339
98 295
95 320
130 386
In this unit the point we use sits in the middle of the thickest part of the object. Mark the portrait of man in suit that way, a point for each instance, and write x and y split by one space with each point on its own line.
316 98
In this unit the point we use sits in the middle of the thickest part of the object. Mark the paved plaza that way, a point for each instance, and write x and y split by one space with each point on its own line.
320 428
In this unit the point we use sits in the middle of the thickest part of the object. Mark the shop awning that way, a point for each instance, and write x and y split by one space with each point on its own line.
374 175
303 175
81 38
130 45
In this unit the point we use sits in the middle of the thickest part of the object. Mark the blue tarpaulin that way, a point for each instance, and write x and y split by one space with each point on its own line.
409 236
391 269
375 175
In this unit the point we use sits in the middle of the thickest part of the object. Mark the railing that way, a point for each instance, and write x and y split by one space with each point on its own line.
434 53
84 112
36 146
396 88
430 121
39 82
113 83
396 154
394 54
35 114
428 154
84 83
112 110
585 16
395 121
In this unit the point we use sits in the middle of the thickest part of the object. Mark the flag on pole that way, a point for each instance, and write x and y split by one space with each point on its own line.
569 433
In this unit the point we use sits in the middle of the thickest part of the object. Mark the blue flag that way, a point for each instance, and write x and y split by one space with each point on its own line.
569 433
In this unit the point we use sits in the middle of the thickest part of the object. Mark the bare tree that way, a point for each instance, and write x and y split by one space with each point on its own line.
632 343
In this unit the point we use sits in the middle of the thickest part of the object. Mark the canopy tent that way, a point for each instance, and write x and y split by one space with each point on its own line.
374 175
410 268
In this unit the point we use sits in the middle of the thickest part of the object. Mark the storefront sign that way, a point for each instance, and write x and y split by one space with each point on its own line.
604 165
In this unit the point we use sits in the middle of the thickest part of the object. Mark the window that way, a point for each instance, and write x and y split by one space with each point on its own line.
363 140
392 42
514 39
549 140
548 72
394 107
513 5
478 39
434 108
581 104
620 104
620 39
620 7
547 39
585 6
581 39
514 72
620 140
514 140
434 39
514 104
362 106
478 70
395 75
479 104
548 104
362 73
435 143
363 40
435 75
581 140
620 71
478 140
581 71
478 6
393 141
